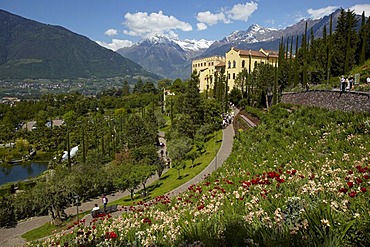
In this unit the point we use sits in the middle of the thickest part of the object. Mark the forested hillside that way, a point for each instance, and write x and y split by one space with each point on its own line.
34 50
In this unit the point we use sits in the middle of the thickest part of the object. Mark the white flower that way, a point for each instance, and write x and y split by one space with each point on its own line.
325 222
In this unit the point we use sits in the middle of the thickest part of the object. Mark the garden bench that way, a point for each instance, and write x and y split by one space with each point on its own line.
109 209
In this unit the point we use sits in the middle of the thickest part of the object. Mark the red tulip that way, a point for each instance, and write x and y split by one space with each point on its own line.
344 190
352 194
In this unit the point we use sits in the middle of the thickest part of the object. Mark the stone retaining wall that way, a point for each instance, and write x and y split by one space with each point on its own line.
333 100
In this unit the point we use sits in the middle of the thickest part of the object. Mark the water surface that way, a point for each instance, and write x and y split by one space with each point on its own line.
16 172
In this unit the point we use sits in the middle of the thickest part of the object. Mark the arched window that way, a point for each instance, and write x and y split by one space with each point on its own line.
243 63
234 64
229 63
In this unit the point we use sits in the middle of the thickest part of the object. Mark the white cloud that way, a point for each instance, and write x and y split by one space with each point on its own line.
201 26
242 12
145 25
111 32
359 8
116 44
318 13
239 12
209 18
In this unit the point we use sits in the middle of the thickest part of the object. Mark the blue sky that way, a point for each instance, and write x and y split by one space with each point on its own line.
118 23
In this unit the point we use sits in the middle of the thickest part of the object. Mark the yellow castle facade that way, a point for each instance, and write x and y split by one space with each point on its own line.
234 62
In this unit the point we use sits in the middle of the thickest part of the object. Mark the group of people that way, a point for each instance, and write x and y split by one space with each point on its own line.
227 118
346 83
104 201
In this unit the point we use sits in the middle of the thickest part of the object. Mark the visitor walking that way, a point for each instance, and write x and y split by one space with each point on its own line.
105 202
342 84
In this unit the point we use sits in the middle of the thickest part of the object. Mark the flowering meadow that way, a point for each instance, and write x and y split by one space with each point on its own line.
301 178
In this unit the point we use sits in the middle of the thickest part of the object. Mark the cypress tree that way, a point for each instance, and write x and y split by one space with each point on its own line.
363 40
287 47
68 150
296 63
367 39
275 96
291 61
249 79
304 47
329 50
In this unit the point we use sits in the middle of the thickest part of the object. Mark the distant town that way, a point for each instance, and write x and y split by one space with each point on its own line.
34 88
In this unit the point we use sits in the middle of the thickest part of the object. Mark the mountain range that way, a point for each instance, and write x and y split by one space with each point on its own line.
171 58
30 49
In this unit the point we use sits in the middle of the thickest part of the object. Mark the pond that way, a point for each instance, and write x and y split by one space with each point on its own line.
16 172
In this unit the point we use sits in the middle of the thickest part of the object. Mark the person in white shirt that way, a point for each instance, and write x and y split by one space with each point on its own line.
95 208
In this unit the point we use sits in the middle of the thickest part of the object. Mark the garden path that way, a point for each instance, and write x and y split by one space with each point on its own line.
12 236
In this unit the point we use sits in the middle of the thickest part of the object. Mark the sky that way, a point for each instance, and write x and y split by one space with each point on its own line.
119 23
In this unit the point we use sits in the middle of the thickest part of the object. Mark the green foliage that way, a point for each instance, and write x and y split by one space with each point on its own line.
177 150
7 216
138 132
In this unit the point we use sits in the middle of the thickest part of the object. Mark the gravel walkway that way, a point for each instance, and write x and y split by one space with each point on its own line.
10 237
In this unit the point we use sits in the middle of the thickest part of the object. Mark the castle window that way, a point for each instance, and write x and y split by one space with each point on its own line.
234 64
229 65
243 63
233 76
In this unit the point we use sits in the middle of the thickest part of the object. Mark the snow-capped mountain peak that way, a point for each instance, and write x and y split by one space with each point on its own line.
186 44
157 39
254 34
194 45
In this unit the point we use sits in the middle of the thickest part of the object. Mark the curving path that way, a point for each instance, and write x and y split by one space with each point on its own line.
12 236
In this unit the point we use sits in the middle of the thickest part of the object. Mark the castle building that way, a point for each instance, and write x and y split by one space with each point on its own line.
234 62
206 67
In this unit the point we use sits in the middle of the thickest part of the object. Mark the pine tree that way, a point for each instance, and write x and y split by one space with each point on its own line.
344 43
